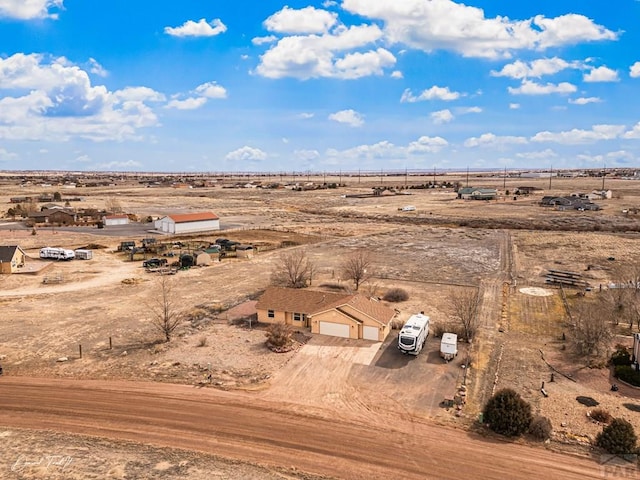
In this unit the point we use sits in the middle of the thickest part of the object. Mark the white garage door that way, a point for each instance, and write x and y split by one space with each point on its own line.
334 329
370 333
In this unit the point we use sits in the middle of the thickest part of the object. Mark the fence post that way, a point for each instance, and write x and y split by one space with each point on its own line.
80 350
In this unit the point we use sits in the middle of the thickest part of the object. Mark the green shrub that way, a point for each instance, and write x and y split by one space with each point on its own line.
600 415
618 438
628 374
621 356
507 413
540 428
396 295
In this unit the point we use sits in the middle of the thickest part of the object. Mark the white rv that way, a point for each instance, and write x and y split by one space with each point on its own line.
413 334
53 253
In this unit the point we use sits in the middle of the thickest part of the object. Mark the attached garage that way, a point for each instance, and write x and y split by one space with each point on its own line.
370 333
334 329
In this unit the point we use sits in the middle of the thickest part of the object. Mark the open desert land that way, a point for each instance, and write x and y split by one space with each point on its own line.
130 405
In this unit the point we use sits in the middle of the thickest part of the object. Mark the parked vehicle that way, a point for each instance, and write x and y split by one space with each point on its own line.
154 263
449 346
414 334
82 254
407 208
53 253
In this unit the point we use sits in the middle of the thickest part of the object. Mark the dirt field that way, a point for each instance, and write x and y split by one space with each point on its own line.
429 253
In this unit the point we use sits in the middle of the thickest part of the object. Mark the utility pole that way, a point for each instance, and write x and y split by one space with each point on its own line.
434 176
467 176
504 181
604 174
550 175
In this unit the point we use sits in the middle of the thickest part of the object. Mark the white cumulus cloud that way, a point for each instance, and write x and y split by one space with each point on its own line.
448 25
579 136
634 70
535 69
306 20
348 117
441 116
29 9
211 90
246 153
584 100
492 140
201 28
433 93
187 104
52 99
601 74
344 52
426 144
529 87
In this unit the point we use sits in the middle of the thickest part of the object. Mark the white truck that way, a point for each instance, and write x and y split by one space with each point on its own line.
414 334
449 346
54 253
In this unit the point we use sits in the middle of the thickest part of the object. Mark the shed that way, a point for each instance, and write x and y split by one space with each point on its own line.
12 258
112 220
188 223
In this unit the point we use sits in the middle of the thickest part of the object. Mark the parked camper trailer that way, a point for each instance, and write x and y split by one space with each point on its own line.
82 254
449 346
53 253
413 334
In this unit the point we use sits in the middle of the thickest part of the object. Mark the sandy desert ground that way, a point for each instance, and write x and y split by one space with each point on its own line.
502 247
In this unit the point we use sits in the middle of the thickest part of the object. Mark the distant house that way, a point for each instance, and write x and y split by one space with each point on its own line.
571 202
112 220
327 313
11 258
477 193
54 216
188 223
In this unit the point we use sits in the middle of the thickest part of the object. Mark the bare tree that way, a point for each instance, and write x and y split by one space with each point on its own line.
294 269
165 312
464 309
591 331
112 205
358 267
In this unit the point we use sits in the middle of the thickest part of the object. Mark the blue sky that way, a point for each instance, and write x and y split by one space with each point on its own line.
370 85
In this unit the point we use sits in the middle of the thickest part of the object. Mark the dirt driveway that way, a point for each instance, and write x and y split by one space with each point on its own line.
363 379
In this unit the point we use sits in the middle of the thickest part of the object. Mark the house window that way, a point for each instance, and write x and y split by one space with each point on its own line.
271 314
297 317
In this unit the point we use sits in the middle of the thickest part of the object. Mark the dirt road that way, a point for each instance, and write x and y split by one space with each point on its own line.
241 426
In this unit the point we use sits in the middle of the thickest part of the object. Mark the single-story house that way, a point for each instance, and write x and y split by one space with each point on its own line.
11 258
188 223
327 313
477 193
54 216
111 220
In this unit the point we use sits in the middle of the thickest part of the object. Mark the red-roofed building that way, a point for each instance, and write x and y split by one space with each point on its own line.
326 313
188 223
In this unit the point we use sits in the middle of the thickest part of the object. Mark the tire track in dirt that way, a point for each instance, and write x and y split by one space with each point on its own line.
243 427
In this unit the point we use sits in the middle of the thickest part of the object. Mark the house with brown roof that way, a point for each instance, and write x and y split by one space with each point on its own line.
327 313
12 257
188 223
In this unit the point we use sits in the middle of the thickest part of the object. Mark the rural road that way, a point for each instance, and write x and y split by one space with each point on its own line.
245 427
